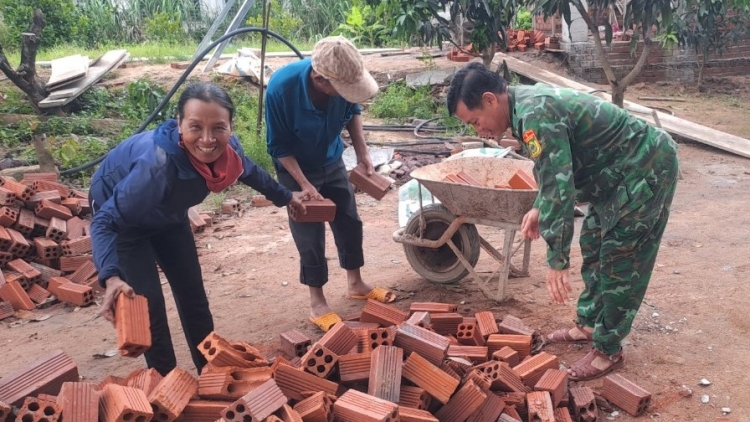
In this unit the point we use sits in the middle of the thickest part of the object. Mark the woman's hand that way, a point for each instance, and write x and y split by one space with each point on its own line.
530 224
115 286
297 202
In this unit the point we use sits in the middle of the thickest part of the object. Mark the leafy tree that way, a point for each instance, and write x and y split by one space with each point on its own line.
648 18
63 22
709 28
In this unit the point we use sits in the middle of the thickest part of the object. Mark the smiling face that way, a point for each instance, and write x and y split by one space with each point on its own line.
490 119
205 129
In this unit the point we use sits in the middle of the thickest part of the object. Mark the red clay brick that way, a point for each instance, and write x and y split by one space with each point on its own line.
476 354
519 343
30 273
466 401
514 325
372 338
25 222
432 379
15 275
8 216
374 185
486 323
35 409
133 325
453 368
6 257
506 354
340 339
37 293
112 379
409 414
625 394
445 323
562 415
83 273
46 375
319 360
583 403
428 344
507 380
294 343
468 334
13 293
19 246
354 367
50 195
317 211
7 197
48 209
293 382
220 352
145 380
288 414
479 378
259 201
196 221
203 411
79 402
172 394
56 229
33 177
258 404
385 373
76 247
75 294
6 311
72 263
46 248
381 313
75 228
46 273
510 414
48 185
21 191
555 382
433 307
231 383
532 369
73 204
489 411
316 408
120 404
539 406
354 406
5 239
420 319
414 397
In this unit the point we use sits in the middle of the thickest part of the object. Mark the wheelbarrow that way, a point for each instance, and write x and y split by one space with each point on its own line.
441 241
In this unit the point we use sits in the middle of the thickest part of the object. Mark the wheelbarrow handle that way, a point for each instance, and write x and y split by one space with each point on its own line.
400 237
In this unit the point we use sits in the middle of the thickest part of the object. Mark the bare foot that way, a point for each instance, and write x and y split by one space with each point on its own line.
318 304
357 287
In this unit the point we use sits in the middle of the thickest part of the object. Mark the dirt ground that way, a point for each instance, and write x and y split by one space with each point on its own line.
693 323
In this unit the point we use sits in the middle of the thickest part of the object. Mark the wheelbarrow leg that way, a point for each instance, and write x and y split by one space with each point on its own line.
478 278
503 277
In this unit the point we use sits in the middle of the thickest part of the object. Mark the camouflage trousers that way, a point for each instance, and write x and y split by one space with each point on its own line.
617 264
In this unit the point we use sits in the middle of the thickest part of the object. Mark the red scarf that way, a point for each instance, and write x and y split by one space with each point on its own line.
222 173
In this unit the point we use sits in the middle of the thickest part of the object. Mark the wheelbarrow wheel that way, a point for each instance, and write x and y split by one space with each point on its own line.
441 265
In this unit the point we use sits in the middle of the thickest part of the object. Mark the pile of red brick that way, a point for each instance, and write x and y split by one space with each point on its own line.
383 364
522 40
519 180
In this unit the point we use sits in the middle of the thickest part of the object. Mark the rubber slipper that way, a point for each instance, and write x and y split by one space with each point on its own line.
327 321
378 293
562 336
584 371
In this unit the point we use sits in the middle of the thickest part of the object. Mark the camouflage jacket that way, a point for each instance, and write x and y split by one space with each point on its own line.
586 150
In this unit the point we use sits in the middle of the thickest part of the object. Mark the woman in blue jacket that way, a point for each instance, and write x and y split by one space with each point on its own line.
140 196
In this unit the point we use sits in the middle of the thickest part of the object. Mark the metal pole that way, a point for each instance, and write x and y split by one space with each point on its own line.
261 77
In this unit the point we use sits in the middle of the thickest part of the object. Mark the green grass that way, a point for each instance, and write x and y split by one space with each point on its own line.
399 102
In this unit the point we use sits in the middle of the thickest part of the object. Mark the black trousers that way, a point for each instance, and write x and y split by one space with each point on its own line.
333 183
173 248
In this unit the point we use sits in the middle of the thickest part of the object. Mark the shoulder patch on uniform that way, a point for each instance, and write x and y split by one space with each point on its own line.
532 143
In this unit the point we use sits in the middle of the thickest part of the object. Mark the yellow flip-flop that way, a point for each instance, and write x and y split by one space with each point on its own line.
378 293
327 321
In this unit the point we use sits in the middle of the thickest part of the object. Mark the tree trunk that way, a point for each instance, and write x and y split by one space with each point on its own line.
43 156
488 54
618 95
700 73
25 76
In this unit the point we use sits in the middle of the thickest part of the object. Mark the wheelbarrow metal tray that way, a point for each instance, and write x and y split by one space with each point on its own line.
479 202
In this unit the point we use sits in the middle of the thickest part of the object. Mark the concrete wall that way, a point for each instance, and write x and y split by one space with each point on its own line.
662 65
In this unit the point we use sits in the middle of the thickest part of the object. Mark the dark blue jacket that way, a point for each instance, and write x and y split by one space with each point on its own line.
148 182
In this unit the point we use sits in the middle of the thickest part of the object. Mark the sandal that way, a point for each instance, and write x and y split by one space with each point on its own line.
378 293
562 336
585 371
327 321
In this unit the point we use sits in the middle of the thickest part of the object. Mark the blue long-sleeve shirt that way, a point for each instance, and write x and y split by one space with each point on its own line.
294 127
148 182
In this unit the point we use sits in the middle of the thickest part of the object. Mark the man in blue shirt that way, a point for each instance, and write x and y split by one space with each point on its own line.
308 103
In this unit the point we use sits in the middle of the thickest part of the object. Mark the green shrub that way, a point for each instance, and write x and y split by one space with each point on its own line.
523 20
63 23
141 99
400 102
280 21
163 27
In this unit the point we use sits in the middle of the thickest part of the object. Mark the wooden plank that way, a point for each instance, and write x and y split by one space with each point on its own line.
97 70
672 124
67 70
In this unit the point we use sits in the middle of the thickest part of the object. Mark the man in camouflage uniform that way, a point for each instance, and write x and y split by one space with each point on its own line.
586 150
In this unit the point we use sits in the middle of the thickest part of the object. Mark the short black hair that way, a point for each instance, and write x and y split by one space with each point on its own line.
206 92
469 83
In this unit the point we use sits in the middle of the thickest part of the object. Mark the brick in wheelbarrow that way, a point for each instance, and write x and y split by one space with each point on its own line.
45 375
172 394
79 402
133 325
124 404
625 394
355 406
317 211
374 185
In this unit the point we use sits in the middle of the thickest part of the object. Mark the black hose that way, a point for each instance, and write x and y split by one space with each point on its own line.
180 81
418 127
